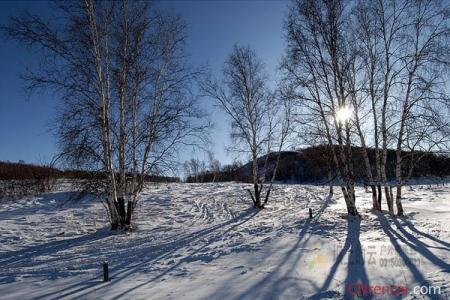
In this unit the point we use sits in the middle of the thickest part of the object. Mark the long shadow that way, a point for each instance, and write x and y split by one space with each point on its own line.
256 292
426 235
158 253
276 280
393 236
60 199
164 250
191 255
356 272
419 246
49 248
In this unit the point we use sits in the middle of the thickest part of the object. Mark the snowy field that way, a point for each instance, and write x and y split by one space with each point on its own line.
204 241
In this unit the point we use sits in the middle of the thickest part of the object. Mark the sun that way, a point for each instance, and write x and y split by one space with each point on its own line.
343 114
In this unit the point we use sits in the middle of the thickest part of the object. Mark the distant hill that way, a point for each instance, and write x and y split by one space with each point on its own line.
310 165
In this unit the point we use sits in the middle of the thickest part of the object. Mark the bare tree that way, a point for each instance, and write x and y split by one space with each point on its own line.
375 60
400 41
388 26
316 66
358 100
425 133
213 165
195 169
424 52
368 50
306 130
252 108
121 72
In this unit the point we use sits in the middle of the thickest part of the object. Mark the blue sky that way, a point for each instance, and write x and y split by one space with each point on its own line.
213 27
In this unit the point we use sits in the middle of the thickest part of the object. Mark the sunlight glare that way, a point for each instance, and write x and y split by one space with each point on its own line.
343 114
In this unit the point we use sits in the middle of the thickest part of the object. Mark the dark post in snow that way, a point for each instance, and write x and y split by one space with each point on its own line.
105 272
310 213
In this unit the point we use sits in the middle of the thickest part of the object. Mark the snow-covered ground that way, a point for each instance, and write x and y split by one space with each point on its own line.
205 241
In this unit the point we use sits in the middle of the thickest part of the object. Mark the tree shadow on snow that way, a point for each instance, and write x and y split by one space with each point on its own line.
281 277
356 271
446 245
401 235
27 256
46 203
154 254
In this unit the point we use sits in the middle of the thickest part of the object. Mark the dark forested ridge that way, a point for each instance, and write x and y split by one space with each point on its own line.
312 164
19 179
303 166
22 171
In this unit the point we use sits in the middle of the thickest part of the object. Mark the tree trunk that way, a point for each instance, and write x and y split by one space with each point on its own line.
113 215
391 200
384 180
267 197
121 210
398 172
122 111
380 196
351 207
367 164
257 195
330 181
398 201
388 198
376 138
103 85
374 198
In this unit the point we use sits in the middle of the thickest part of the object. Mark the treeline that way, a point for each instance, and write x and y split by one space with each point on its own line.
81 174
22 171
19 179
314 164
224 173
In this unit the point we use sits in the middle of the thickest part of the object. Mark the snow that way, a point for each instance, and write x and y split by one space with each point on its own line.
205 241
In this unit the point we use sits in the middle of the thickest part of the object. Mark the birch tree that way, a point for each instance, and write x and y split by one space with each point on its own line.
368 42
386 59
127 103
359 99
425 54
252 108
213 165
389 26
316 65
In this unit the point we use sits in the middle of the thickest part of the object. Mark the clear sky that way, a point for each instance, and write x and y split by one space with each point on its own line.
213 28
